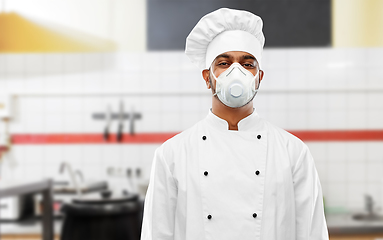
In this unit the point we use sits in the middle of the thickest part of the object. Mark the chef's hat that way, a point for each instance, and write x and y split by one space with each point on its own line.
222 31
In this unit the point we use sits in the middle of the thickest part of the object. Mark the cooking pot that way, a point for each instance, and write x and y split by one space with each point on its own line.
102 217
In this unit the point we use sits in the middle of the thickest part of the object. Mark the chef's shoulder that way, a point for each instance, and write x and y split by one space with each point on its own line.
180 143
293 146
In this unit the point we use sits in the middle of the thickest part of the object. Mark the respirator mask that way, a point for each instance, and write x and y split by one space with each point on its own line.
236 86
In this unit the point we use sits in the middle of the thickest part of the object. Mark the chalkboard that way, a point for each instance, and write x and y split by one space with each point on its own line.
287 23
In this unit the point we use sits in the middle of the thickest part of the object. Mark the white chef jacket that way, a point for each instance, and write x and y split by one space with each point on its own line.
211 183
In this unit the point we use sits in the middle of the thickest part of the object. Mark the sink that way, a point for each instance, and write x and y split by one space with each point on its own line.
367 217
64 187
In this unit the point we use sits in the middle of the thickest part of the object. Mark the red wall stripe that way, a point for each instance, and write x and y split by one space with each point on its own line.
312 135
88 138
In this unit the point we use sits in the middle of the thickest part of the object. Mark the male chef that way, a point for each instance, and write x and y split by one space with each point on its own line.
233 175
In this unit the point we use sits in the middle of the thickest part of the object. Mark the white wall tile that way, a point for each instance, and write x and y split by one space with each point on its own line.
356 172
171 104
32 105
190 104
132 81
72 105
15 63
317 119
169 81
375 119
337 152
337 119
73 82
275 79
150 81
277 102
53 155
374 151
317 78
336 172
72 62
356 152
297 58
336 195
317 101
35 83
374 173
54 63
151 122
355 196
297 102
151 104
34 155
357 119
15 82
374 57
72 123
171 122
275 58
297 79
53 82
3 63
91 155
375 101
297 119
34 123
189 119
318 151
374 77
278 118
34 63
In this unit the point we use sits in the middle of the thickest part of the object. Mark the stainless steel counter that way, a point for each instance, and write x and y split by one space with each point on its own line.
343 223
42 186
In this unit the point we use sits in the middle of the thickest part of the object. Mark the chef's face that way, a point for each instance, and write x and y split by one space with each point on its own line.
223 61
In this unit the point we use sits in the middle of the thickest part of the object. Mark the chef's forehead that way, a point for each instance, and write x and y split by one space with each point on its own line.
236 55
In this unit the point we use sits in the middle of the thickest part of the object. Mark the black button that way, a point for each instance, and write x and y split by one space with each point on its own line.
209 217
257 172
204 138
205 173
259 136
254 215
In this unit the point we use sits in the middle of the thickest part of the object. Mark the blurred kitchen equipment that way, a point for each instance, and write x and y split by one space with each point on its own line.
108 121
80 175
133 117
16 207
121 122
129 175
371 214
102 217
66 165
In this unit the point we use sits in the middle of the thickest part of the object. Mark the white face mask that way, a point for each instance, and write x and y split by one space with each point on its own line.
236 86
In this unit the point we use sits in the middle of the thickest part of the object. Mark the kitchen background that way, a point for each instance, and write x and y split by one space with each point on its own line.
94 57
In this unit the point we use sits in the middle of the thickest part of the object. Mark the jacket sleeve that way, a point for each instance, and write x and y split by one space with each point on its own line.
309 211
160 202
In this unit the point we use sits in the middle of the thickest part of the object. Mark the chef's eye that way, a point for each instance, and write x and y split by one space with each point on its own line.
248 65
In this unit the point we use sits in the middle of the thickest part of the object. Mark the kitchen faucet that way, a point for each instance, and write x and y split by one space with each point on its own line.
71 175
80 175
369 204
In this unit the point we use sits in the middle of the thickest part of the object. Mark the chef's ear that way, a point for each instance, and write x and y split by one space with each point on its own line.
205 75
261 73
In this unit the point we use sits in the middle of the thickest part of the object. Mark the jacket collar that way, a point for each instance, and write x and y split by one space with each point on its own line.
249 123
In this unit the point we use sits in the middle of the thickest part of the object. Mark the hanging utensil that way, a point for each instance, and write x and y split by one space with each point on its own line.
108 120
121 122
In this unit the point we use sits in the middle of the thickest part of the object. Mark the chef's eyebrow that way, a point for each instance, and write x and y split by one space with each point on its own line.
248 57
224 55
245 57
